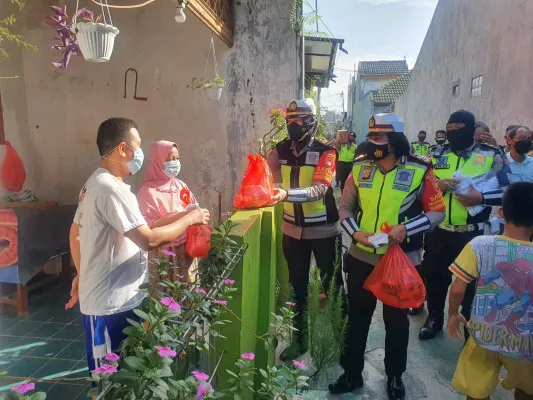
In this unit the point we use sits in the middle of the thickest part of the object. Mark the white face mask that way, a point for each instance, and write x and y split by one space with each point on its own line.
172 168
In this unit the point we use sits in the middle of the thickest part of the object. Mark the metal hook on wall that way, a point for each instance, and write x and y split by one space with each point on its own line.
136 81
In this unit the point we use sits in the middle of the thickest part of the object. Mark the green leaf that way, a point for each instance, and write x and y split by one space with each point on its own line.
158 392
125 378
93 392
135 363
141 314
37 396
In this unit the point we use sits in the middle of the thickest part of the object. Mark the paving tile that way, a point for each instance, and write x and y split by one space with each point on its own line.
49 348
67 316
26 367
69 332
66 391
7 341
54 369
7 322
46 330
75 350
22 347
22 328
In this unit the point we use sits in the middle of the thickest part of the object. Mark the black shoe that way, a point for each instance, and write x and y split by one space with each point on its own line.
431 327
416 311
345 384
395 388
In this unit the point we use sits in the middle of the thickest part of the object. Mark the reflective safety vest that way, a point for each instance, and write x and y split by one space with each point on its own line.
478 163
347 153
392 197
297 172
421 149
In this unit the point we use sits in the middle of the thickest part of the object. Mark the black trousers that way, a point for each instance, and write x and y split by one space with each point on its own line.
343 171
298 256
361 306
441 250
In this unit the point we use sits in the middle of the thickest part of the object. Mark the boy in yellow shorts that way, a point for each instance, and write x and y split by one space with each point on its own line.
501 325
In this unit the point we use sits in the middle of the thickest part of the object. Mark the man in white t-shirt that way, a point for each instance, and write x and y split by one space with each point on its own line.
109 239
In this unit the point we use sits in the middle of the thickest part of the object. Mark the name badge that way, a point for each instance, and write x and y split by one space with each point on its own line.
442 163
283 162
312 158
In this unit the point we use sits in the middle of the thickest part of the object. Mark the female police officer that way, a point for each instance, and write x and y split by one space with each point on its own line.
387 185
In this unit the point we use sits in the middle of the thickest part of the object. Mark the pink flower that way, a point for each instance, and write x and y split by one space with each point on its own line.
201 291
299 364
168 253
23 388
105 369
229 282
202 391
221 302
248 356
165 352
171 304
111 357
200 376
291 304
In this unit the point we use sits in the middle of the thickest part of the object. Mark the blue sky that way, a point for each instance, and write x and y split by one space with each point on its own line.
373 30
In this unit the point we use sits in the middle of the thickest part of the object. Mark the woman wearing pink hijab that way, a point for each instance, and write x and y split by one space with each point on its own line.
163 198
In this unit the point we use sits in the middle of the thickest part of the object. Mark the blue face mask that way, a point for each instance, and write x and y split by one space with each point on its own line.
172 168
138 158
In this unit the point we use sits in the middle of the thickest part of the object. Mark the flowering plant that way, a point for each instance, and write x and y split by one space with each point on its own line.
277 132
202 84
24 391
159 357
66 31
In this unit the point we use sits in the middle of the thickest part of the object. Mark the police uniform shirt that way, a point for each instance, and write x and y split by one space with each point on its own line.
350 206
313 193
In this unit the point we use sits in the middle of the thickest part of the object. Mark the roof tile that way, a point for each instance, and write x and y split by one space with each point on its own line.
382 68
392 90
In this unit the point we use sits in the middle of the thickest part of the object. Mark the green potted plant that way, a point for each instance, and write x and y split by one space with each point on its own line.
212 87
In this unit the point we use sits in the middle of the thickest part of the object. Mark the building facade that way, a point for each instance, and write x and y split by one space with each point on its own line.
52 115
476 58
371 76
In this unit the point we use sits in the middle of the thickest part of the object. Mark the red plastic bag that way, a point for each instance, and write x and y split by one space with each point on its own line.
198 241
395 280
257 187
13 173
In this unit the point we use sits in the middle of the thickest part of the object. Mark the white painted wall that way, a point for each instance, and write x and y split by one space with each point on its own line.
467 39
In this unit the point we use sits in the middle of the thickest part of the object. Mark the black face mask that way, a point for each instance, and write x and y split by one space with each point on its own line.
440 140
297 132
522 146
460 140
422 138
377 151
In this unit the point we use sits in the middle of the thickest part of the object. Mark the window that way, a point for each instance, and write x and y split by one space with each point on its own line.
477 84
455 90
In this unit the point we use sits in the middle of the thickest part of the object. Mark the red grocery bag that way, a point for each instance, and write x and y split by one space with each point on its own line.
395 280
13 173
198 241
257 187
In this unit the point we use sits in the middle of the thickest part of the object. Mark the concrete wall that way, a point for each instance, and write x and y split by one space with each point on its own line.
262 71
466 40
52 115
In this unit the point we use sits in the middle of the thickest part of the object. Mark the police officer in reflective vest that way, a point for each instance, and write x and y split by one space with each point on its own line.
441 143
306 168
346 157
387 186
460 226
421 147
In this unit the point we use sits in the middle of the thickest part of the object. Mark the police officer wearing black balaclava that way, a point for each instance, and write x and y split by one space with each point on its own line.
461 224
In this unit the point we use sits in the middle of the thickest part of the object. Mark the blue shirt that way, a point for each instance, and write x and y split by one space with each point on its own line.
521 172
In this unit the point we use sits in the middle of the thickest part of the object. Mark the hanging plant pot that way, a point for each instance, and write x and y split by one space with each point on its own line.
96 40
214 93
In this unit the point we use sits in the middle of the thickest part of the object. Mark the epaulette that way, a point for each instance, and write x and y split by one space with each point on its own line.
486 146
362 157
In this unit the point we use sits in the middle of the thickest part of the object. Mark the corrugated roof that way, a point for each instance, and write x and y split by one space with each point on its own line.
382 68
392 90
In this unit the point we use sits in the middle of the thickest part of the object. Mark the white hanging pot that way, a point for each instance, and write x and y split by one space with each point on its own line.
214 93
96 41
